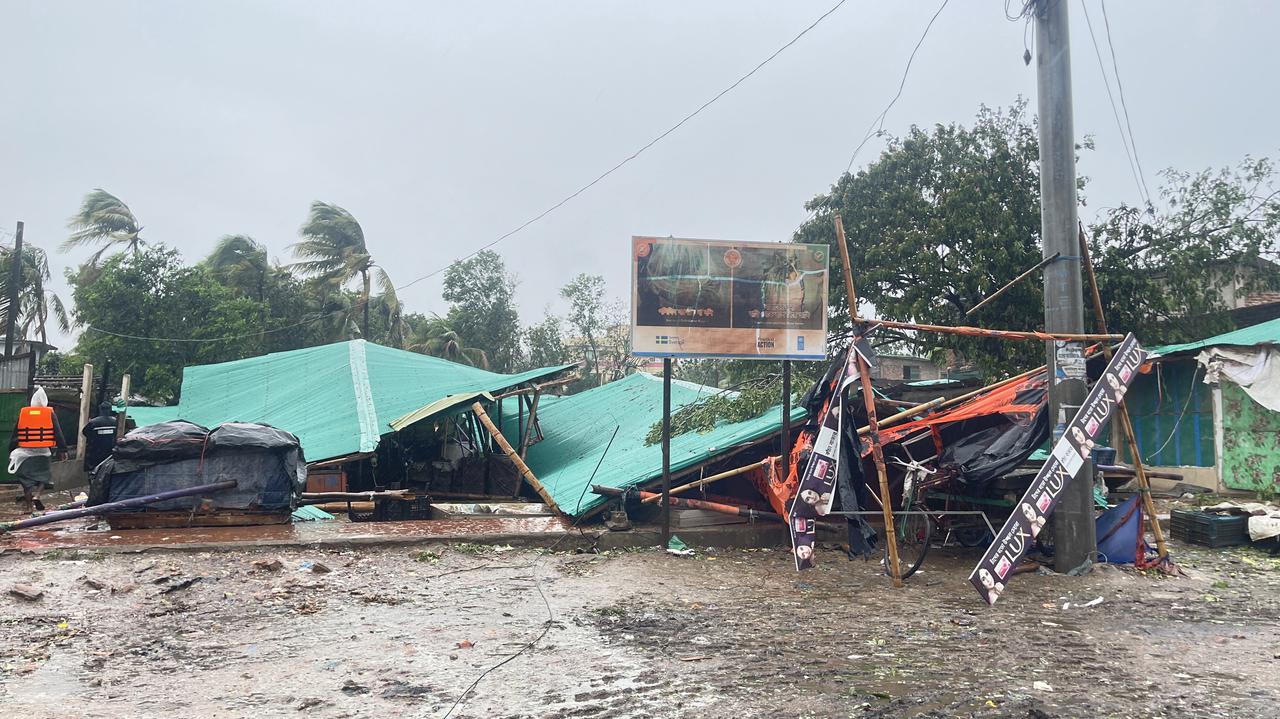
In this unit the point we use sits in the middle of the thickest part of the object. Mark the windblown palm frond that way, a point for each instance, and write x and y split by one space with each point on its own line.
34 301
103 218
436 338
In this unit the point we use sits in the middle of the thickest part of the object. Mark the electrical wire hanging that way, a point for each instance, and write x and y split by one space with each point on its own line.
1124 106
568 198
1115 111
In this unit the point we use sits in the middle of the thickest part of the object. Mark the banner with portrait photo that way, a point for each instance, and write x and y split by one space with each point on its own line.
1031 514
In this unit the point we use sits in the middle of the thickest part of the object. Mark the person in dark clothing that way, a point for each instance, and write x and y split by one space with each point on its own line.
99 437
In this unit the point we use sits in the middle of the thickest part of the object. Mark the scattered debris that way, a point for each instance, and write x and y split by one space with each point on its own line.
677 547
26 592
465 644
180 585
95 584
268 565
1041 686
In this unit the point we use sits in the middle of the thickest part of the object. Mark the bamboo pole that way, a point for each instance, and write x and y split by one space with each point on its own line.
508 450
538 387
1011 283
904 414
1122 413
984 332
868 398
52 517
86 399
528 428
709 480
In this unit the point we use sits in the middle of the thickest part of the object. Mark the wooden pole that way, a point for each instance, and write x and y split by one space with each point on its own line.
507 449
1122 413
869 400
112 506
666 451
528 429
15 289
122 420
998 334
86 399
1013 282
708 480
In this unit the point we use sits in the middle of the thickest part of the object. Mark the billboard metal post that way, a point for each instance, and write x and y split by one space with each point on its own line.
786 419
666 451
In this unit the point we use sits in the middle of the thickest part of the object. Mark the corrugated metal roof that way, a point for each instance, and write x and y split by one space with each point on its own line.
337 398
577 427
1265 333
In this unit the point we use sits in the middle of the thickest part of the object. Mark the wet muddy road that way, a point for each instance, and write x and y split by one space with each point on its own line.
731 633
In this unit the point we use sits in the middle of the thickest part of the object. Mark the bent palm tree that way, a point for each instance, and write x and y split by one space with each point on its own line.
103 218
240 262
435 337
35 303
333 248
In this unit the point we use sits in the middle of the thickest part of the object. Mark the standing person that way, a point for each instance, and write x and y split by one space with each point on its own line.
36 433
99 437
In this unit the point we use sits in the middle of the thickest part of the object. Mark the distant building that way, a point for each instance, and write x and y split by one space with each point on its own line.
905 368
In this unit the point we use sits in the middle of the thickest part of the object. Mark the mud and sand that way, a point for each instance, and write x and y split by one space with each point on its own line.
403 631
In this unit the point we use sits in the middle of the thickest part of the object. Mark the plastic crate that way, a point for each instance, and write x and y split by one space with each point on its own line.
1208 529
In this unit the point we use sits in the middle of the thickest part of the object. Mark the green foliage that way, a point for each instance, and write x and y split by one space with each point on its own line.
747 401
940 220
333 250
434 336
154 295
1164 274
103 219
482 308
544 343
35 302
601 333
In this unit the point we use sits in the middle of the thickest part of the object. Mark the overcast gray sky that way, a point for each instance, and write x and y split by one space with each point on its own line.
443 125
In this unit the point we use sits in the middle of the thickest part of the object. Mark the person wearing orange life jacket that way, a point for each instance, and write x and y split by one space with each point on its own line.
37 433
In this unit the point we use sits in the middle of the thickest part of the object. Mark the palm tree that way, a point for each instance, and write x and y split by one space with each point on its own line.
435 337
103 219
240 262
333 248
35 303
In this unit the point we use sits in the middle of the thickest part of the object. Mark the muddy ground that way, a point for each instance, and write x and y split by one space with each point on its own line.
729 633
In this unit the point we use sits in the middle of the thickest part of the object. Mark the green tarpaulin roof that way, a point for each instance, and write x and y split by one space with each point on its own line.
1259 334
576 429
338 398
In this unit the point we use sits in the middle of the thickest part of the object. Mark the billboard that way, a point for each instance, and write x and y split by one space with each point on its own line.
716 298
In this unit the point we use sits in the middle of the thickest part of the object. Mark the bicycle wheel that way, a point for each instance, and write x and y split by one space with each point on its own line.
914 532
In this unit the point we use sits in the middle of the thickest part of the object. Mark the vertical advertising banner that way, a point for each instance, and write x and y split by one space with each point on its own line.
1068 456
816 490
714 298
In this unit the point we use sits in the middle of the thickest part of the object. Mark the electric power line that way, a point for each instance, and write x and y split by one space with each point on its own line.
563 201
1115 111
874 129
1123 105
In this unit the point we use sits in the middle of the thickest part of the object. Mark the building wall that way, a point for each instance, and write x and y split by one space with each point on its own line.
1251 442
894 367
1172 413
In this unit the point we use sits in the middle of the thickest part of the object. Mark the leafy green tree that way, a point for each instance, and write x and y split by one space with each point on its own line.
1166 273
434 336
151 293
602 334
35 301
482 308
106 221
333 248
544 342
941 219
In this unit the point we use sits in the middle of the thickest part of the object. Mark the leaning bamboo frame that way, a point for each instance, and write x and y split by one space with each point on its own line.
873 427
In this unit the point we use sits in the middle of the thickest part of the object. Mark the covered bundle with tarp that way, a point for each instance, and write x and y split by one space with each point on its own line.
266 464
983 438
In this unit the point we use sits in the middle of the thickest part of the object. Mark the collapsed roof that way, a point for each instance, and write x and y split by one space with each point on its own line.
577 429
339 399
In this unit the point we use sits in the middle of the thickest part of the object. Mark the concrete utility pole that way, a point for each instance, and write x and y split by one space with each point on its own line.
1075 540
